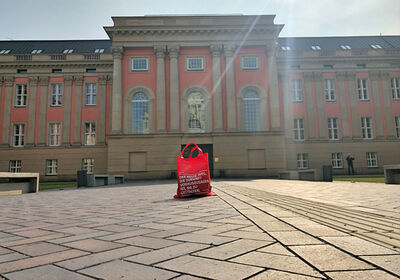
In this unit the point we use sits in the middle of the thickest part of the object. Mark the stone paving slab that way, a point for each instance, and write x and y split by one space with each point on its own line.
46 272
362 274
39 248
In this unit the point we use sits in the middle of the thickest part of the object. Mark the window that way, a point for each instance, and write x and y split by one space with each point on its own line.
251 111
361 66
329 87
366 127
140 64
88 165
194 64
337 160
316 48
21 95
372 159
54 134
140 113
5 51
196 112
90 133
56 70
395 82
345 47
98 50
56 95
397 125
302 161
362 89
90 70
328 66
15 166
333 129
19 135
249 62
285 48
295 67
68 51
36 51
51 166
22 71
297 90
376 46
298 129
91 94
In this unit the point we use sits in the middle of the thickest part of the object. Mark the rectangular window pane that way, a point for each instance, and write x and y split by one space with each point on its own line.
195 63
140 64
19 135
329 87
366 127
56 95
51 167
397 125
395 83
302 161
337 160
90 133
298 129
21 95
88 165
249 62
372 159
15 166
91 94
297 90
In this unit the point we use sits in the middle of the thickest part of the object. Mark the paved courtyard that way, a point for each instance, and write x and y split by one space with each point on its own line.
253 229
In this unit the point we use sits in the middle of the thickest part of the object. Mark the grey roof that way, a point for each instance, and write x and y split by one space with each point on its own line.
335 43
55 47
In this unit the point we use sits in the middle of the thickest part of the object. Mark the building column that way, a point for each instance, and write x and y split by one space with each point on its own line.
116 95
44 83
387 98
308 80
287 104
9 81
230 87
273 87
102 110
216 91
33 82
374 76
356 122
173 52
78 108
67 110
322 124
161 106
341 78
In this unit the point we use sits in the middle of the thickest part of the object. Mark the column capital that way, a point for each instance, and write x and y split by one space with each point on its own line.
351 75
68 80
317 76
173 51
384 74
308 76
216 50
229 50
78 80
271 48
341 75
33 81
1 81
9 81
160 51
44 81
103 79
374 75
117 52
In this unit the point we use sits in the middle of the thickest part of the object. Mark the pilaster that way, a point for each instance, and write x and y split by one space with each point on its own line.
229 51
356 122
44 83
33 83
320 95
341 79
308 80
161 106
9 82
387 99
102 110
287 112
374 76
77 110
67 109
173 52
216 91
273 86
116 95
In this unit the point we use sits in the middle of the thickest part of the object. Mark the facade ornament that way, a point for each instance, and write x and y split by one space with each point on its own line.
308 76
374 75
216 50
173 51
229 50
103 79
341 75
68 80
33 81
271 48
351 75
317 76
44 81
9 81
78 80
117 52
160 51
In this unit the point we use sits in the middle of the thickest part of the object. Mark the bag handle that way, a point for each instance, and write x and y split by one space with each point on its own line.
193 149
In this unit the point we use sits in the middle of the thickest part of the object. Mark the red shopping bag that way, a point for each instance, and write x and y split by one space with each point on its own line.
193 174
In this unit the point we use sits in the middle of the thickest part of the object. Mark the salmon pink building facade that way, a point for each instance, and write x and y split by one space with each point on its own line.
257 103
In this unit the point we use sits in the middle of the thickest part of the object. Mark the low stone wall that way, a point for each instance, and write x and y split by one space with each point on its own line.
18 183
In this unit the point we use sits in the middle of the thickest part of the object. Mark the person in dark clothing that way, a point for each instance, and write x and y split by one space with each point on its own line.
350 164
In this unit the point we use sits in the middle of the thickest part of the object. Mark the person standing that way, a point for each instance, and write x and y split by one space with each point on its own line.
350 167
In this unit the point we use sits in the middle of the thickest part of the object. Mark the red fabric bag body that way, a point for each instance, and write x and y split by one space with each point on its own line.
193 174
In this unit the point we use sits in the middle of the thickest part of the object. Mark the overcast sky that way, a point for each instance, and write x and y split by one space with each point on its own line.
84 19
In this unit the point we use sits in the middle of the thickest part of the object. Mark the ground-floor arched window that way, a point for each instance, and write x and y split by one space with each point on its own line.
251 111
140 113
196 111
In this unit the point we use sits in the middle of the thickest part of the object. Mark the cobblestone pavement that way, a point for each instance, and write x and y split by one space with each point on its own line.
248 231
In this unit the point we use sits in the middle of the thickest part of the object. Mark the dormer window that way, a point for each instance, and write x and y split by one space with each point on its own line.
36 51
345 47
285 48
376 46
315 48
98 50
4 51
68 51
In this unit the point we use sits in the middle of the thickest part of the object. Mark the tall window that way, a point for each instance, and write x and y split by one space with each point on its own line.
91 94
15 166
90 133
19 135
196 112
362 89
397 125
297 90
54 134
56 95
51 167
333 129
337 160
366 127
372 159
140 113
395 82
88 165
21 95
298 129
329 87
251 111
302 161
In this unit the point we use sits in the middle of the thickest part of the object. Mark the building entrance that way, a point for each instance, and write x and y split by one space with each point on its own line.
206 148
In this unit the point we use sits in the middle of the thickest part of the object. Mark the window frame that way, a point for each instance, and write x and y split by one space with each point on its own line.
333 128
15 166
91 95
395 86
147 102
363 91
367 131
58 95
299 132
54 136
302 160
92 134
201 115
21 136
372 157
88 165
397 125
51 167
23 95
296 90
337 160
247 56
203 63
131 62
330 90
257 120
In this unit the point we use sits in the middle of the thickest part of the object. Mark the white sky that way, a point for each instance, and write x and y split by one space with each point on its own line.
84 19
